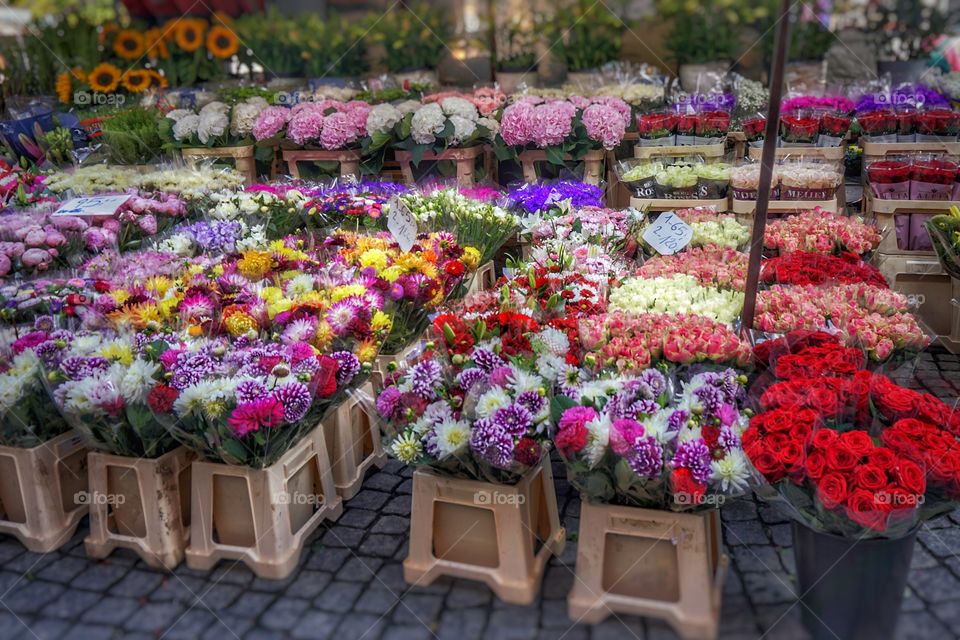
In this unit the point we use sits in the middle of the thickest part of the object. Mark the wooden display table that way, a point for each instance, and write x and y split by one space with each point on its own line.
749 207
349 160
678 151
820 153
592 165
242 156
465 159
667 204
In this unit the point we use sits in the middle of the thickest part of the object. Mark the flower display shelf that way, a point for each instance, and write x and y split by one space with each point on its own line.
484 279
592 165
749 207
923 280
386 361
352 436
877 150
465 159
819 153
501 535
262 517
668 204
349 160
43 491
739 140
678 151
651 563
242 156
141 504
884 213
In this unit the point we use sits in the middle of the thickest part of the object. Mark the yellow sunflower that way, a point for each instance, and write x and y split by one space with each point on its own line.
129 44
104 78
158 78
156 45
222 18
106 31
64 87
136 80
79 74
189 33
222 42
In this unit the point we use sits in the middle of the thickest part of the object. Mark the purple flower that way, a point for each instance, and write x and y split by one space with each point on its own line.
728 439
695 456
710 398
532 401
250 390
491 443
514 419
424 377
295 398
500 377
646 457
469 377
487 360
349 366
79 367
677 420
388 401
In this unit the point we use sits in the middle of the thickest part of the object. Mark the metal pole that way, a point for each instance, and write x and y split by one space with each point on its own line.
767 161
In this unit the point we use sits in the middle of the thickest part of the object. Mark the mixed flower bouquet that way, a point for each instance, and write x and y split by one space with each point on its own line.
346 208
65 299
821 232
627 441
278 211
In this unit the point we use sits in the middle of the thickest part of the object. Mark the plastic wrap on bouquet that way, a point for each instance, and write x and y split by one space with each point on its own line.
944 233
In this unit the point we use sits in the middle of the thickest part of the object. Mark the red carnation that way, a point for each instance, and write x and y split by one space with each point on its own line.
326 376
161 398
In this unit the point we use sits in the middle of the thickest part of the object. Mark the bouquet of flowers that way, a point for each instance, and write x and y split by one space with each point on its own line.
92 180
754 128
214 237
657 128
100 383
562 127
803 268
327 124
879 125
279 211
890 178
944 230
21 187
27 417
799 128
487 100
677 294
346 209
937 124
532 198
626 441
713 266
822 232
192 184
216 124
62 298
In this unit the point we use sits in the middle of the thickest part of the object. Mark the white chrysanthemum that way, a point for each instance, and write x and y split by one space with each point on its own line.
406 448
299 285
138 380
598 437
85 345
599 389
521 381
177 114
213 124
489 402
24 363
462 107
255 239
657 427
180 244
248 204
552 341
194 398
732 472
438 412
463 128
427 122
94 394
550 366
186 127
383 118
451 437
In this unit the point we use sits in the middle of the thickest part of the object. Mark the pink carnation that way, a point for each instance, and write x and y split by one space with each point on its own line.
604 125
516 123
552 123
271 122
305 125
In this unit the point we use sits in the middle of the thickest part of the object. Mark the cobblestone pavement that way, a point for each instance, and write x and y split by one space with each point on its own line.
349 583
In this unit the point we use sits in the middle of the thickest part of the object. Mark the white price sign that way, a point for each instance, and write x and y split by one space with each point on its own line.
94 206
402 224
668 233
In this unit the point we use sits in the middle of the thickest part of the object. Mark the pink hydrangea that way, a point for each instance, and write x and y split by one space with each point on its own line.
552 123
516 123
271 122
305 125
579 102
616 103
339 130
604 125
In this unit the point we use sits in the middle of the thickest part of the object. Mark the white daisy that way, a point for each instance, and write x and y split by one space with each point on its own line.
451 437
489 402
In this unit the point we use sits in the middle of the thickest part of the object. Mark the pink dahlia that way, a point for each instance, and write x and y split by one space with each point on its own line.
271 122
552 123
604 125
252 416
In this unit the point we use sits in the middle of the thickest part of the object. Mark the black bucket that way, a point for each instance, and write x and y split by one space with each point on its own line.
851 589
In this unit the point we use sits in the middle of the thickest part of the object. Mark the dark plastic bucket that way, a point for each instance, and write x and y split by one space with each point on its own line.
850 589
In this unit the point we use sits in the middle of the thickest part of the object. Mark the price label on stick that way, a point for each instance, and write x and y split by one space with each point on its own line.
402 224
92 207
668 234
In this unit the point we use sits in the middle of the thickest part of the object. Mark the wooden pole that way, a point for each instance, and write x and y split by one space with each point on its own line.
767 161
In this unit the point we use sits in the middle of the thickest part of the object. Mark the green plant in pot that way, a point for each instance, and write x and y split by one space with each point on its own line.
132 136
412 39
585 34
516 47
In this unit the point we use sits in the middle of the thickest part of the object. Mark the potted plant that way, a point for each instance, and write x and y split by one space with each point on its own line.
857 460
587 36
413 40
516 61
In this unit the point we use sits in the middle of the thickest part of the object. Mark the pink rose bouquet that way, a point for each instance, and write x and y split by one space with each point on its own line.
822 232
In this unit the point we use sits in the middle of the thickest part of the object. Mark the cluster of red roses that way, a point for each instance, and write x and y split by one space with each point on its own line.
821 390
802 268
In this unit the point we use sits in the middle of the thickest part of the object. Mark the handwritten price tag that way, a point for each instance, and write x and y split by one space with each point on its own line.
402 224
668 234
95 206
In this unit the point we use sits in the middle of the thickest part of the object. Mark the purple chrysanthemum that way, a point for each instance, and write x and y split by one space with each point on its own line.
532 402
424 377
654 381
349 366
710 398
646 457
79 367
469 377
295 398
491 443
728 439
514 419
487 360
695 456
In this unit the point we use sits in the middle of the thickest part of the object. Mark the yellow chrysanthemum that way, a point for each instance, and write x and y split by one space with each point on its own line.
314 298
273 308
410 262
470 258
323 336
390 274
381 321
375 258
166 306
159 284
64 87
117 351
347 290
120 296
271 294
367 350
239 323
255 264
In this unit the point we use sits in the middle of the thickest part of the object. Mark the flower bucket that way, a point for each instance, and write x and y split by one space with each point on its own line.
140 504
850 589
652 563
262 517
352 435
43 491
498 534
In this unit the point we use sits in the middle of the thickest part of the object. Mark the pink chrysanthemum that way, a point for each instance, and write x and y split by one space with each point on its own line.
252 416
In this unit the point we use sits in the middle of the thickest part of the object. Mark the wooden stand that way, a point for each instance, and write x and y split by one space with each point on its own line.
243 157
349 160
262 517
465 159
484 279
353 440
387 363
43 491
877 150
820 153
749 207
501 535
592 165
884 213
650 563
667 204
140 504
704 150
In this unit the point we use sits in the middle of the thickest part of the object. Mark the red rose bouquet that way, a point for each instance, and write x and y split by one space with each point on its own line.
799 128
906 124
932 178
754 128
686 128
833 129
712 126
657 127
890 178
805 267
937 124
879 124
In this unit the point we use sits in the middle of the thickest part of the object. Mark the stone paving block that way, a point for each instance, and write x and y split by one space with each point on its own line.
338 596
91 632
935 585
219 596
920 626
399 505
64 569
378 600
740 509
155 617
222 628
381 545
343 537
46 629
782 622
407 632
746 532
782 535
466 594
466 624
769 587
382 482
361 625
619 627
359 569
31 596
316 625
357 518
192 624
369 499
111 610
756 558
251 604
418 608
72 604
99 576
327 559
137 584
391 524
284 613
943 543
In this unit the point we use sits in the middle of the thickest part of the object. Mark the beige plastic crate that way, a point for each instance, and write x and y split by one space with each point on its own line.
43 491
352 435
140 504
650 563
667 204
884 212
484 279
386 363
501 535
592 165
262 517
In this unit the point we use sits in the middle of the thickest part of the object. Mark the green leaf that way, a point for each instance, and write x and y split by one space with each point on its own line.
416 154
558 405
236 451
403 128
555 155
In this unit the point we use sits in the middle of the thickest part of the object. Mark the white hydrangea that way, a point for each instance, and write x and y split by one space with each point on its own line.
491 125
258 101
186 127
463 128
177 114
427 122
213 124
408 106
382 118
214 107
243 118
462 107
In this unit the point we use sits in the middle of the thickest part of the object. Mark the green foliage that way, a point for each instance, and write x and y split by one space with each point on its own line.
61 43
336 48
273 41
413 38
132 136
709 30
236 95
516 46
587 34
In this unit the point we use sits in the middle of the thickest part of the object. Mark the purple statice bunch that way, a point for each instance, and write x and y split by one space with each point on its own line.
533 198
918 96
